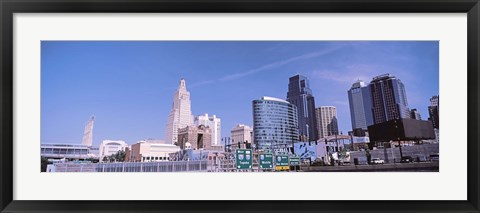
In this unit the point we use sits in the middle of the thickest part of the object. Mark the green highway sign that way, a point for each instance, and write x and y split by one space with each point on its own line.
244 158
281 162
294 161
266 161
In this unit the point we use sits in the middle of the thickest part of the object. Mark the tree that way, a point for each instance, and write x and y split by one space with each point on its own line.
117 157
120 156
368 155
44 163
332 160
342 154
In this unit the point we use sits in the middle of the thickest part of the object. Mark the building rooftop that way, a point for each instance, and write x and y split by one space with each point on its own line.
63 145
266 98
326 107
382 77
359 83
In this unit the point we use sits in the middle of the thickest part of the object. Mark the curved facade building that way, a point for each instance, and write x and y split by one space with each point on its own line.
275 124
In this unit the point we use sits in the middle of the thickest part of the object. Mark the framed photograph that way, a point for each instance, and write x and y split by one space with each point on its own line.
161 106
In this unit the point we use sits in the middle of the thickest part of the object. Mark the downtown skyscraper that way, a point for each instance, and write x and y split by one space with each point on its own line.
360 102
275 124
181 114
389 100
300 95
433 112
327 121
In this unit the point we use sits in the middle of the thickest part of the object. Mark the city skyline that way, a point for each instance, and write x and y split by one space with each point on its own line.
131 84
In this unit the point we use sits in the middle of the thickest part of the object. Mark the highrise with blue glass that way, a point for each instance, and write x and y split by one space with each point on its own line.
275 124
360 102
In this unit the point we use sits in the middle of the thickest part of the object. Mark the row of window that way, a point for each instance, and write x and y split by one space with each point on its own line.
63 151
155 158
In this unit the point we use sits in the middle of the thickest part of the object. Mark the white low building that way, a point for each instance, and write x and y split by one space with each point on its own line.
111 147
147 151
67 151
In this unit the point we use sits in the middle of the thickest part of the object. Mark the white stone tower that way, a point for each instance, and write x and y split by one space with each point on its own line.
181 114
88 132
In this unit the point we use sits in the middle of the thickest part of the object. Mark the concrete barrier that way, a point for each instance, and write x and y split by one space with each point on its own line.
407 167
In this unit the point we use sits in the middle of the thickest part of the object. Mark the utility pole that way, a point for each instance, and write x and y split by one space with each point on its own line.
391 149
397 132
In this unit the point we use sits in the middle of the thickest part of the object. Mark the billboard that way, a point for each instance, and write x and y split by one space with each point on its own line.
306 150
401 129
361 139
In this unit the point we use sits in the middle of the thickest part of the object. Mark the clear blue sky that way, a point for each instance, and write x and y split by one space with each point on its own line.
129 86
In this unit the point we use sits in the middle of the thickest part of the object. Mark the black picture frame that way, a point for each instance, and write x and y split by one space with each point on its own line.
9 7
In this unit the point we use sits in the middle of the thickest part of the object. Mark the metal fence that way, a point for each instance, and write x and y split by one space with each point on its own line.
167 166
73 167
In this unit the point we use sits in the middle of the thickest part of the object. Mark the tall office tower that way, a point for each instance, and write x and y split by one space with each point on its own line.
241 133
181 114
433 111
389 100
414 114
88 132
214 124
360 101
300 95
327 121
275 124
434 100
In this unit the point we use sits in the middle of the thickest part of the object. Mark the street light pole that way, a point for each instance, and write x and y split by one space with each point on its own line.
343 141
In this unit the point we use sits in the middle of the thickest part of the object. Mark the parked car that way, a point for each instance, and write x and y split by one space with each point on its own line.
306 161
377 161
360 161
421 158
435 157
406 159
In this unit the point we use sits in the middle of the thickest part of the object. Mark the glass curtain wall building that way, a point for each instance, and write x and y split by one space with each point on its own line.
389 100
275 124
360 102
300 95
